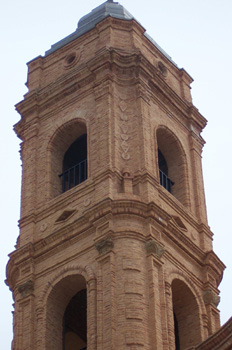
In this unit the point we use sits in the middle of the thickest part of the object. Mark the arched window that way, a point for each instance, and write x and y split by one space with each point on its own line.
186 316
172 165
75 164
68 162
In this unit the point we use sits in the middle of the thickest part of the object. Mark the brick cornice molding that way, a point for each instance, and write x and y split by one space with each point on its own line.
104 208
221 339
113 62
215 264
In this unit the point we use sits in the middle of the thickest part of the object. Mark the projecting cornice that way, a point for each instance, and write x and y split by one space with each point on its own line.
221 339
126 67
106 210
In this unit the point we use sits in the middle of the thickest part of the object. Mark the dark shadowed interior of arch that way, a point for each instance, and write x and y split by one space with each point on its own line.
176 332
75 164
75 322
186 316
162 163
163 173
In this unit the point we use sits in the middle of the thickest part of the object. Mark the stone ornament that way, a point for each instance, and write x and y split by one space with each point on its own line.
26 288
43 227
87 202
211 297
125 129
72 59
104 246
154 248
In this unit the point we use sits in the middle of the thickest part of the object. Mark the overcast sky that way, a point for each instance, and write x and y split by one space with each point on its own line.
195 33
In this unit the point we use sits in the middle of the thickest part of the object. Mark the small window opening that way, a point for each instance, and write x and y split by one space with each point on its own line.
75 323
163 172
75 164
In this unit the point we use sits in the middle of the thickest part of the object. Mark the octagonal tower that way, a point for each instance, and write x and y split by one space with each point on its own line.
114 250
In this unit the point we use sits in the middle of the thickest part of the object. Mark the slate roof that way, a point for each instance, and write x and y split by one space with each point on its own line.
89 21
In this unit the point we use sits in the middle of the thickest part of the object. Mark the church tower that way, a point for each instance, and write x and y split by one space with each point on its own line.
114 250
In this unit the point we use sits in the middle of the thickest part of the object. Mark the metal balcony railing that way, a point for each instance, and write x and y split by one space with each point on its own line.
165 181
74 175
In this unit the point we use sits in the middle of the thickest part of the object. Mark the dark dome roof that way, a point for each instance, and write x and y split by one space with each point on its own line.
108 8
89 21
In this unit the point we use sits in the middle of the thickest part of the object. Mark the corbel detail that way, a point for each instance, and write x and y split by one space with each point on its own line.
155 248
26 288
211 297
104 246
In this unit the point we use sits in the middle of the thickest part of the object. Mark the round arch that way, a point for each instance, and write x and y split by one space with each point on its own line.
188 310
54 300
177 274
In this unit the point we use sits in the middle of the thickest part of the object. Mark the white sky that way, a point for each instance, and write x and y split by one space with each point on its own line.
195 33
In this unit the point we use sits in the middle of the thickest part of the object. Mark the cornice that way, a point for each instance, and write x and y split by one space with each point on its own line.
17 258
53 94
108 208
184 243
107 62
212 261
222 339
183 211
169 99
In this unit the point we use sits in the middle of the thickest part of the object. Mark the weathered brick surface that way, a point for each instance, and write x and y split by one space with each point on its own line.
139 250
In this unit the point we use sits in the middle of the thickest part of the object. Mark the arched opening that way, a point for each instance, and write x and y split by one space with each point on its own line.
75 164
75 323
66 317
68 163
172 165
186 316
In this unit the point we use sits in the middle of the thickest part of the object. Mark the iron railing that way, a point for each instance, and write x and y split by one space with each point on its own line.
74 175
165 181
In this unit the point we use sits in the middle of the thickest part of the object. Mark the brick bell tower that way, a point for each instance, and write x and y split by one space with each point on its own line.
114 249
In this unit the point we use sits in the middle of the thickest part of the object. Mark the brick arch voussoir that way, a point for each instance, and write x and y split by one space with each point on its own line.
72 269
180 275
170 132
61 127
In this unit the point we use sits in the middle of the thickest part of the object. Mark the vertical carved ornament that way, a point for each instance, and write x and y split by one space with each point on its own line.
124 135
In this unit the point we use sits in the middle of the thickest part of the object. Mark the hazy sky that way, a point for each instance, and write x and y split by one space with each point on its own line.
195 33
